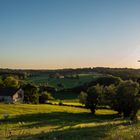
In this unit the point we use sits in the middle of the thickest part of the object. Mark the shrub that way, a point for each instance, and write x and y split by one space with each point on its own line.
60 102
44 97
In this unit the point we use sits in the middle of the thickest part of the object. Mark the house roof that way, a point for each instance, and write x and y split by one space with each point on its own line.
7 91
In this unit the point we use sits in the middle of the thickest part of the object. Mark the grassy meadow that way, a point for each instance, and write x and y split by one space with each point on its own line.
52 122
68 83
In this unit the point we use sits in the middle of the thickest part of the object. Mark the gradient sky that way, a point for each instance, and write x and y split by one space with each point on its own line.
49 34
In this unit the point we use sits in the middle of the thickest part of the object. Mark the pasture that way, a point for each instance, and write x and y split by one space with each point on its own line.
66 82
65 97
50 122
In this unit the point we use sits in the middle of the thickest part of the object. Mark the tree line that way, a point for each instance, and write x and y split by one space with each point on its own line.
123 97
124 73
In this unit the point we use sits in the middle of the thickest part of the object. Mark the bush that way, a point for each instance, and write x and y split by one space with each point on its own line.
44 97
60 102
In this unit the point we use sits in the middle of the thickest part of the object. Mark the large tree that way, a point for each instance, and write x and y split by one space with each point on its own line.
127 100
93 97
31 94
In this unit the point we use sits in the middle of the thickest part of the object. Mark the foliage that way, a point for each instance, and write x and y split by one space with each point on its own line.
44 88
109 95
108 80
123 98
127 100
1 82
44 97
31 94
60 85
11 81
60 102
83 97
93 97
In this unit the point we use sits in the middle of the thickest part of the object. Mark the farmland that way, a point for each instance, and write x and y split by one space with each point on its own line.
64 117
66 97
57 122
68 83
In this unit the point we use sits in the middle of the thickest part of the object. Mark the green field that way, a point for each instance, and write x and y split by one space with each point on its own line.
65 97
68 83
63 123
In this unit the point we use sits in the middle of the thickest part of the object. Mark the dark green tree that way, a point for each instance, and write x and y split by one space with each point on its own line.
31 94
93 97
108 80
44 97
127 100
83 97
1 83
11 81
110 96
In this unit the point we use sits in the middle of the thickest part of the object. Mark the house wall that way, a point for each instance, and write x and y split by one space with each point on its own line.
18 96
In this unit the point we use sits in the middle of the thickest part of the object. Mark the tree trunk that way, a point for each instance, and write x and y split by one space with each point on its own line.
92 110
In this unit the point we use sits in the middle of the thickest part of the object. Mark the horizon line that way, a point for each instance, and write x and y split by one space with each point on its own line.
68 68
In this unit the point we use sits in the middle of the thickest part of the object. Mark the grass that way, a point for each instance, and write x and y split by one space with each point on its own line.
62 123
68 83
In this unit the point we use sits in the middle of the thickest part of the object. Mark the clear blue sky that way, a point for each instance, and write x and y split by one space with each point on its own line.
69 33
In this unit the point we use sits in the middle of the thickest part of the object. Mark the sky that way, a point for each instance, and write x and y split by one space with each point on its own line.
52 34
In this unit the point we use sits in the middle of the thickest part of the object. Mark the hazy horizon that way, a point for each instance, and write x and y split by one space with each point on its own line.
52 34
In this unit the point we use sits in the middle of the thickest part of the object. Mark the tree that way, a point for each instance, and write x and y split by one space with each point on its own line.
110 96
60 85
47 88
1 83
108 80
83 97
93 95
45 97
31 94
11 81
127 100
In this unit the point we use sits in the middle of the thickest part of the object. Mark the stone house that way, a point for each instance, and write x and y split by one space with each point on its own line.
11 95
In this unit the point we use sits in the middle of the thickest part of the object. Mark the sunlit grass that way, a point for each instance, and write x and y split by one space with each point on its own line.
58 122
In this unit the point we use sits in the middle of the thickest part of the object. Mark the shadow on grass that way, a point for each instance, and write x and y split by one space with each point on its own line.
58 118
66 122
86 133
